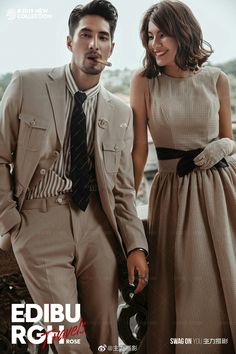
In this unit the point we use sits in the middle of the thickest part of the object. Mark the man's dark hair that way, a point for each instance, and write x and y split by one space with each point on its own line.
101 8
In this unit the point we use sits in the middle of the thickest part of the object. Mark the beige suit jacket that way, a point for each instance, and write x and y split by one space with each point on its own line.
32 129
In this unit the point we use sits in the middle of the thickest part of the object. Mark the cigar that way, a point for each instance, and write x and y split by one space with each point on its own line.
107 63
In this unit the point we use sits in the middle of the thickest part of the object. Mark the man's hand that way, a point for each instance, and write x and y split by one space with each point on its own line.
136 262
5 242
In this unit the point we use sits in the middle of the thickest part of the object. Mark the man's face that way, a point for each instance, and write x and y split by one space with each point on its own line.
91 41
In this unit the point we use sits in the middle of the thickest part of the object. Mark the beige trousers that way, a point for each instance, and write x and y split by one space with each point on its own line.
68 256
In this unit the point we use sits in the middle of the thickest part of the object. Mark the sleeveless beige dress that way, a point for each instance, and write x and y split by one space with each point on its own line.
192 221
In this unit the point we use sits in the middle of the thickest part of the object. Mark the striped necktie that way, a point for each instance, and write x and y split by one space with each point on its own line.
79 172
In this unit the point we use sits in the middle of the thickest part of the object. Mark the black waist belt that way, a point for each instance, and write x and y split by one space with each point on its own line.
185 164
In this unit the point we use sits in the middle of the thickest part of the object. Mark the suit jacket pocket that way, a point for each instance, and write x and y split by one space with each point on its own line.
32 131
111 155
15 231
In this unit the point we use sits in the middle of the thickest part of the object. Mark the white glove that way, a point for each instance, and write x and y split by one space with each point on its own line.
214 152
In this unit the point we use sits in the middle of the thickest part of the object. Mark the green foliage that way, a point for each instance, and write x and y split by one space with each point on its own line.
117 81
4 81
229 67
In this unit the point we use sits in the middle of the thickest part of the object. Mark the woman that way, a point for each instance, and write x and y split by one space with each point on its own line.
192 220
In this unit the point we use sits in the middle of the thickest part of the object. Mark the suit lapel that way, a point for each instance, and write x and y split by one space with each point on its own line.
103 120
56 89
103 116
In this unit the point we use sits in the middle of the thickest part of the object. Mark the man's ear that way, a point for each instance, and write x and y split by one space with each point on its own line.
69 42
112 47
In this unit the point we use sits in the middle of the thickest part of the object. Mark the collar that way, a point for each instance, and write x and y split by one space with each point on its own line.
71 84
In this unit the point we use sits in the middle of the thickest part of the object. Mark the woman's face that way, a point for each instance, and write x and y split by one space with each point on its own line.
163 47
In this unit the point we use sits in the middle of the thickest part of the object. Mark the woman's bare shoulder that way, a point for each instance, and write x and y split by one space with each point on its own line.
139 81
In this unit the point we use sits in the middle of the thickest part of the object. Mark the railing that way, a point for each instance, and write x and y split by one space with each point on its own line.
132 317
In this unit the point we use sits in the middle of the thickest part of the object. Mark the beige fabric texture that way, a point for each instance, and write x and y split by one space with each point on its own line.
192 221
68 256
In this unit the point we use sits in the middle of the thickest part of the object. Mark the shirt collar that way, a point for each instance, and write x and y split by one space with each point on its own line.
71 84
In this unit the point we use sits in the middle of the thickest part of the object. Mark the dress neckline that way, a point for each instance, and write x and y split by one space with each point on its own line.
184 77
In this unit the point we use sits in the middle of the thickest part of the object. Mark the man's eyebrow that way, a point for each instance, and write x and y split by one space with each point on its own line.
86 29
104 33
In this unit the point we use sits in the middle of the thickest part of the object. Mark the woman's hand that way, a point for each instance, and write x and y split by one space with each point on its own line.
214 152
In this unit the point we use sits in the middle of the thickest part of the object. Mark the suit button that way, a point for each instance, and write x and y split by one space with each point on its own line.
116 147
33 122
55 153
42 171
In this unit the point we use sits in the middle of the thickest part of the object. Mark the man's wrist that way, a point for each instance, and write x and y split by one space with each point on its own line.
138 249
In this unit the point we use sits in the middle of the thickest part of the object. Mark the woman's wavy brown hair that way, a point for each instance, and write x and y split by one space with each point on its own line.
175 19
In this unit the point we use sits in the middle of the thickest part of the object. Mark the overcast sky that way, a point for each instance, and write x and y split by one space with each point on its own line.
41 42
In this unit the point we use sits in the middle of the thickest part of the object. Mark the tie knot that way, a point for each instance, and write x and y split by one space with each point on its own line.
80 97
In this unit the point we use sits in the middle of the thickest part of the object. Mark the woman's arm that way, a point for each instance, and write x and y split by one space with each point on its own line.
216 150
138 101
225 123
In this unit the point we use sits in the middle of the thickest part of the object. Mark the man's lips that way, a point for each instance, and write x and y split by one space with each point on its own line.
92 57
97 59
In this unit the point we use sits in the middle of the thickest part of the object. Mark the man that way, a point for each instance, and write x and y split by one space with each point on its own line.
66 193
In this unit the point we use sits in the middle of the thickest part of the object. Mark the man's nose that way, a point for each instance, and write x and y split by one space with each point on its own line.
93 44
